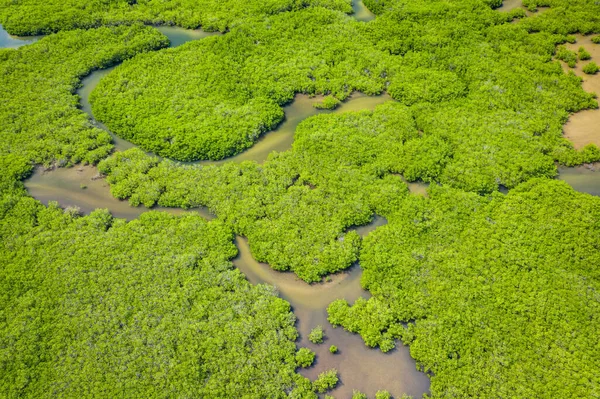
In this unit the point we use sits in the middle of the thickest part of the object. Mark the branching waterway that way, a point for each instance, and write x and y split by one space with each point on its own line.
359 366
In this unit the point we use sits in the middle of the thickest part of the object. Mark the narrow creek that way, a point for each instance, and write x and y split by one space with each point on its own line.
10 41
508 5
359 367
361 12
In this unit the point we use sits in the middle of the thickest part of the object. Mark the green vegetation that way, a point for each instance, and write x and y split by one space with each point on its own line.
326 381
29 17
591 68
382 395
305 357
487 290
496 295
333 349
97 307
230 89
40 119
358 395
568 56
316 335
596 39
583 54
297 208
328 102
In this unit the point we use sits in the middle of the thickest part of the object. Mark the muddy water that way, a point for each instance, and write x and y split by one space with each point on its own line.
9 41
177 37
359 367
80 187
584 126
282 137
508 5
361 12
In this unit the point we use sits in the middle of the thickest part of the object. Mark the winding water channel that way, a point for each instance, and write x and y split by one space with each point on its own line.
359 367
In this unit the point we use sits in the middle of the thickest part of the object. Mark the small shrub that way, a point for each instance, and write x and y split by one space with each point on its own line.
570 57
333 349
596 39
328 102
583 54
316 335
326 381
358 395
305 357
591 68
383 395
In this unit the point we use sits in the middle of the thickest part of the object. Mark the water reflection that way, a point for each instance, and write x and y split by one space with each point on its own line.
9 41
585 178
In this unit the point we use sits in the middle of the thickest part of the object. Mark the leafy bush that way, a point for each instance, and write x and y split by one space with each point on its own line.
358 395
326 381
316 335
583 54
328 102
570 57
305 357
382 395
591 68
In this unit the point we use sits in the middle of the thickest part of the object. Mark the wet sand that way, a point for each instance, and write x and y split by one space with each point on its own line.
584 127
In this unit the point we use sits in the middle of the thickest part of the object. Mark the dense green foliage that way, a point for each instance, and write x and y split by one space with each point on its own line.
326 381
38 110
97 307
583 54
358 395
28 17
591 68
297 208
333 349
496 296
316 335
328 102
490 109
230 89
305 357
383 395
